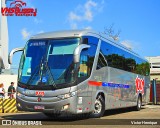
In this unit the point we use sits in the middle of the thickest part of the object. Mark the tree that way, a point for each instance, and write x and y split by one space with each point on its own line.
111 33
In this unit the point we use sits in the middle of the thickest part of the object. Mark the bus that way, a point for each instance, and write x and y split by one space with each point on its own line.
78 72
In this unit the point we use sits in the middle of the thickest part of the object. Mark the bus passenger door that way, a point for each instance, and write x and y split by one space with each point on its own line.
83 74
86 61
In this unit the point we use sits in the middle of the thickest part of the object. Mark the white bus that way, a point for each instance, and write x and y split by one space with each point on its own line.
79 71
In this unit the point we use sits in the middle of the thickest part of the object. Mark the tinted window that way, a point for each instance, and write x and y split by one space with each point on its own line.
121 59
101 61
91 40
87 57
142 67
86 61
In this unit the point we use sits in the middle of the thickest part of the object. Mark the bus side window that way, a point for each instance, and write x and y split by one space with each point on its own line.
101 62
86 61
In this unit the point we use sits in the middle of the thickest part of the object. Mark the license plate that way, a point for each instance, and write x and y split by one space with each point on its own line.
38 107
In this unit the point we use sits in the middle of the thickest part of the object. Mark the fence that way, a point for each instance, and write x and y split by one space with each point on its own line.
7 105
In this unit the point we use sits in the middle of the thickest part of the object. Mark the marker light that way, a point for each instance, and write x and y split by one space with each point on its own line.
19 94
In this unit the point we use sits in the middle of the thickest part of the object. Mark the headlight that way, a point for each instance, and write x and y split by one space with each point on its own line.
67 95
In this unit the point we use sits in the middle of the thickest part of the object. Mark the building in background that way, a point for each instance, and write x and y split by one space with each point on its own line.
154 67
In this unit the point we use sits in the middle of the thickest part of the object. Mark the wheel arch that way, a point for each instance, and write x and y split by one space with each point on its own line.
96 96
99 92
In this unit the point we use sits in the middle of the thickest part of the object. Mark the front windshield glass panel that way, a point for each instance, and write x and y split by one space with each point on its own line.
48 62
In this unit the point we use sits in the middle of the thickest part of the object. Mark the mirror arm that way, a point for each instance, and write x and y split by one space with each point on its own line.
12 52
78 50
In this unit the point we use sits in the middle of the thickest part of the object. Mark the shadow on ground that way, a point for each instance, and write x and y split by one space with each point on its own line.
119 111
63 118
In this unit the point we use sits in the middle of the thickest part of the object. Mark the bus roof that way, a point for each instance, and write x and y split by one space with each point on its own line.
61 34
79 33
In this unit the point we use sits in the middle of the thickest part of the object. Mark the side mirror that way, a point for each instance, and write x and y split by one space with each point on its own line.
78 50
12 52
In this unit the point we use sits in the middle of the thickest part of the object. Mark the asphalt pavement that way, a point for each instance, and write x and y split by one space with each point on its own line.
149 116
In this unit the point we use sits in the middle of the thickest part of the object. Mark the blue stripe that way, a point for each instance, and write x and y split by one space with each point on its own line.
113 85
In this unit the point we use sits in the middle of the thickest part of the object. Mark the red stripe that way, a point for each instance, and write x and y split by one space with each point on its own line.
94 83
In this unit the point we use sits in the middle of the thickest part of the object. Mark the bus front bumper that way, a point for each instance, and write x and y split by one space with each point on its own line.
63 105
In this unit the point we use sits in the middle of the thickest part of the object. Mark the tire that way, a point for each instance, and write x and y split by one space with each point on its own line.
52 115
139 104
99 107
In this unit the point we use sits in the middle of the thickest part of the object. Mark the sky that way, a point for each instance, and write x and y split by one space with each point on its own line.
137 20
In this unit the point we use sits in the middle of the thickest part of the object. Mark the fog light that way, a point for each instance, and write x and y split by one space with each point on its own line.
65 107
19 105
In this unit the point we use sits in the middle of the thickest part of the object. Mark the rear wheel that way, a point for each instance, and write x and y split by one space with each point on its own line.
139 104
99 107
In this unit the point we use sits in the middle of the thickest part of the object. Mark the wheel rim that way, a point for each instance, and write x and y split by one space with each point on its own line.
97 106
139 103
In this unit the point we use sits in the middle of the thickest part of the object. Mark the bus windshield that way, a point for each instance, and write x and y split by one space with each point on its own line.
48 62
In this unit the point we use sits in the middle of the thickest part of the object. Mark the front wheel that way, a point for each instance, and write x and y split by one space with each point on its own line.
52 115
99 107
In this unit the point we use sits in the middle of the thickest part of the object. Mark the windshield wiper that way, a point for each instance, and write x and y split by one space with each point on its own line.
39 70
35 72
48 71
